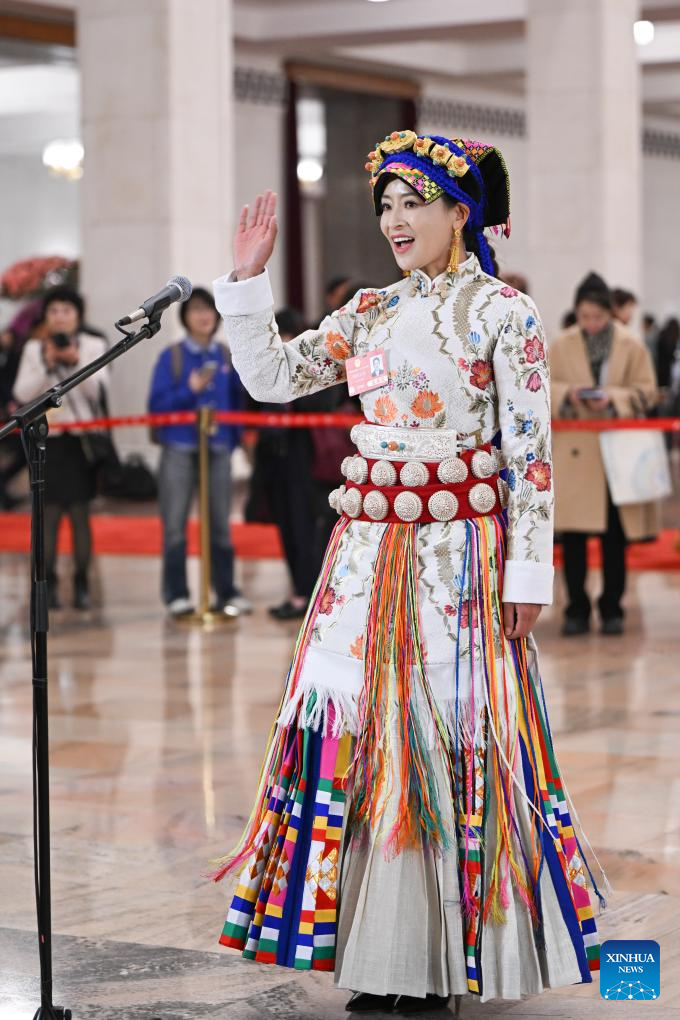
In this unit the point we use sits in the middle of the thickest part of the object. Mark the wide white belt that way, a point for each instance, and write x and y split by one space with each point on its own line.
381 442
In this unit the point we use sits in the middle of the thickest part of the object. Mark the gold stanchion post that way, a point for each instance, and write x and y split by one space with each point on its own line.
204 615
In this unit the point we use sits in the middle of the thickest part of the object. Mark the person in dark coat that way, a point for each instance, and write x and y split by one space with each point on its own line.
13 460
283 490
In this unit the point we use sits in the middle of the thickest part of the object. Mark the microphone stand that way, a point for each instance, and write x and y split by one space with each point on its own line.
32 422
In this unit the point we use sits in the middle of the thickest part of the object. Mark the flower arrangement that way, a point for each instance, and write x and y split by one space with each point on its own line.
32 277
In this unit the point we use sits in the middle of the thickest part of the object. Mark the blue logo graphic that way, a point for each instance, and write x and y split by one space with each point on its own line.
630 969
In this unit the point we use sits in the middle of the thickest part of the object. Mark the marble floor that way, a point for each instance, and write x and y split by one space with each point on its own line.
156 736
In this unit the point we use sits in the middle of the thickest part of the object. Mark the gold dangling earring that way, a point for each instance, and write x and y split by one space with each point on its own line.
454 256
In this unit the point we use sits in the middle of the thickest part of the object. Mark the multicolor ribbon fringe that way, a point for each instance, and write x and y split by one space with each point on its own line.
492 747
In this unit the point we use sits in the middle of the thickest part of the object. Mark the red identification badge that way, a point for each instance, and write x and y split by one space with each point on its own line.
368 372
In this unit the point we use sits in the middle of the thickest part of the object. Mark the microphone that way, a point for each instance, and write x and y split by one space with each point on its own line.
178 288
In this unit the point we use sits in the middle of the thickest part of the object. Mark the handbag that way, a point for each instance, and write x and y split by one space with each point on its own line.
331 446
636 465
98 446
98 449
132 480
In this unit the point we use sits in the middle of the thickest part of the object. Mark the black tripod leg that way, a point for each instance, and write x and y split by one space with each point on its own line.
31 420
34 439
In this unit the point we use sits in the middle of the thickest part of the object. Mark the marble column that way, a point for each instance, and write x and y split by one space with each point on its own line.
584 165
157 115
259 130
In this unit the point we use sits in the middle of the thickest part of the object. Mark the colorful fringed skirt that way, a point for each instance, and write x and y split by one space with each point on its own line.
411 830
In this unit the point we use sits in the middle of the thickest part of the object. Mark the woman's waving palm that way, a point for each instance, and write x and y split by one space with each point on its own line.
255 236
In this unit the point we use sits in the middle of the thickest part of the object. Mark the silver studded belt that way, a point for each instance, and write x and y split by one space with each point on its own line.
420 492
381 442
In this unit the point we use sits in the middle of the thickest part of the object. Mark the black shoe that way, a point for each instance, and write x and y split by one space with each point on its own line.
289 611
365 1002
81 594
410 1004
613 627
574 625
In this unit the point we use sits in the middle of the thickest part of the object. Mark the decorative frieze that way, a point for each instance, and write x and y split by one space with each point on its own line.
254 86
471 117
661 143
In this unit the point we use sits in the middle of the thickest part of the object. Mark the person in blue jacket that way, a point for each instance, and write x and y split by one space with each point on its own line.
188 375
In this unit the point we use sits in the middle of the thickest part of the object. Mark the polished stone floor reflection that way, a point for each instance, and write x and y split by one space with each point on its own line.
156 737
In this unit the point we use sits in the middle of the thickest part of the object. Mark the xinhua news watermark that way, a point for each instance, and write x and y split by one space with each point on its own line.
630 969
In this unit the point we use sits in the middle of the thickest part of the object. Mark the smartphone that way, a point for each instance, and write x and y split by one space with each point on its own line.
209 367
589 393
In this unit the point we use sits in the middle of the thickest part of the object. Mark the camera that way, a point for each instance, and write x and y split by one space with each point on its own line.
61 340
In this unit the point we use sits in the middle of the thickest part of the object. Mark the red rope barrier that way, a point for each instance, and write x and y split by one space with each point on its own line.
127 421
284 419
616 424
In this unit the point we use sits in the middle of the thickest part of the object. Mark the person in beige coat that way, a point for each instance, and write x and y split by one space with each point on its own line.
598 370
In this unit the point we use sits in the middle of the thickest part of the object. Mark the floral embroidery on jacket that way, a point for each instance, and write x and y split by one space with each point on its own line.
368 299
480 374
539 473
464 352
356 649
374 308
337 346
329 599
385 410
409 390
427 404
534 350
465 615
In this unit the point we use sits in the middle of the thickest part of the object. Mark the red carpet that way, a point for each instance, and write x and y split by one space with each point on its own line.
662 554
121 535
141 536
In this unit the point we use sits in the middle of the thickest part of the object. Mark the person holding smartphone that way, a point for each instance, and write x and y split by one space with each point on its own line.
70 478
598 370
194 373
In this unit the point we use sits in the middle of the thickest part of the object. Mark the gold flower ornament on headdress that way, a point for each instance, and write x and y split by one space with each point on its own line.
401 141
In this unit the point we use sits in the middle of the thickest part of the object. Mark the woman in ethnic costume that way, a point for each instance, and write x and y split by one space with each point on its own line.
411 830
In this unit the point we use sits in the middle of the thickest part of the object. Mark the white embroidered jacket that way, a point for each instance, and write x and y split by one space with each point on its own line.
465 352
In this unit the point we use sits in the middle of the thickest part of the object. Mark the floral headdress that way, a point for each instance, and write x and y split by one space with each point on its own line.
470 171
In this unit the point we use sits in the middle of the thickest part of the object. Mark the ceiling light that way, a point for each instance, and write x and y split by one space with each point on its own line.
309 171
64 158
643 32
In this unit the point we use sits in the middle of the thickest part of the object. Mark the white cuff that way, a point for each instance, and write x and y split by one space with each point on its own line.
528 581
243 297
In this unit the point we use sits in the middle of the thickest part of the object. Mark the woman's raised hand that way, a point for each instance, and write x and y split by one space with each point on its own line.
255 236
